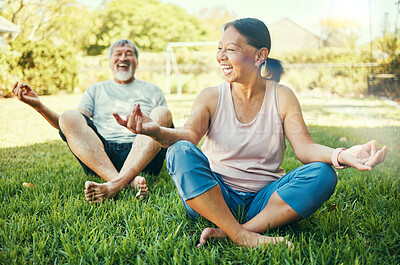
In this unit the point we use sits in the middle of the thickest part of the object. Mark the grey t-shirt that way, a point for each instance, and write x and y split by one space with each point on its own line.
104 98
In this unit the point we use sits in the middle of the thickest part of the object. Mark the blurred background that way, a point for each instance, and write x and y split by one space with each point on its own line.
349 48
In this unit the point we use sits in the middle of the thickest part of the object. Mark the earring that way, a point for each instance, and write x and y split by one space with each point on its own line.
264 69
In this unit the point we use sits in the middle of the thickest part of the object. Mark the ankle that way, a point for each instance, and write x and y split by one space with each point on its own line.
116 184
240 237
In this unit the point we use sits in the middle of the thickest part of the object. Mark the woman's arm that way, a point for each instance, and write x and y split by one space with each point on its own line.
304 147
362 157
194 129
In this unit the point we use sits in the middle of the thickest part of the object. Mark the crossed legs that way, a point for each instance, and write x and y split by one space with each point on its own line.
190 172
212 206
87 146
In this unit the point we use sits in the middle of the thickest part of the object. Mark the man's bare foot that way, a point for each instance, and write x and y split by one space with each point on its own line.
210 233
96 192
139 184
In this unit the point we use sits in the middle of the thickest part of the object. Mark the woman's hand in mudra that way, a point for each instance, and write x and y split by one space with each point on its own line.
363 157
137 122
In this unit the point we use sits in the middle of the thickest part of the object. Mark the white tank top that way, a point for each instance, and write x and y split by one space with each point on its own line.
246 156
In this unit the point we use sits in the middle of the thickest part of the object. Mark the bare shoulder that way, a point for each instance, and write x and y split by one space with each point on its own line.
209 93
288 101
203 110
285 93
208 98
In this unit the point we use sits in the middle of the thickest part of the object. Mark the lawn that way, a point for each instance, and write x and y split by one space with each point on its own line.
53 223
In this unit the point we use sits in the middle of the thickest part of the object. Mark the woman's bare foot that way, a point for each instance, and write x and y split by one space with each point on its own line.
247 239
210 233
96 192
139 184
251 239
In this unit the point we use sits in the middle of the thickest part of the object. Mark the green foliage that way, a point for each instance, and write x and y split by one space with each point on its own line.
340 32
46 67
326 55
149 24
62 29
214 18
389 47
345 80
7 79
52 20
44 52
65 29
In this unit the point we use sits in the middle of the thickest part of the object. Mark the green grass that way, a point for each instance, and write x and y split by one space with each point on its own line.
53 223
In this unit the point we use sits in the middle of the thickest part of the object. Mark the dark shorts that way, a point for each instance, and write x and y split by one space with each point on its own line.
118 152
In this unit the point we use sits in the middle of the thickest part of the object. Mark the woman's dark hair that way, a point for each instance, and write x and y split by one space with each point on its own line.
257 35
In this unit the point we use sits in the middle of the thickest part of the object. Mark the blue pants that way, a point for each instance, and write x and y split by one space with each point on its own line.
304 189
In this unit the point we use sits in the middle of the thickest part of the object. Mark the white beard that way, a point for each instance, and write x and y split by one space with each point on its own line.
123 75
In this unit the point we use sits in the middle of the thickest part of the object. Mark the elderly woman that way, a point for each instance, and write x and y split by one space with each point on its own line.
236 181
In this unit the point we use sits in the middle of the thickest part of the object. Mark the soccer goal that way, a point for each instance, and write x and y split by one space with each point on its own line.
173 67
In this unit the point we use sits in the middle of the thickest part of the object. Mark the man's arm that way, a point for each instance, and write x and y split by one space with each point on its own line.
26 94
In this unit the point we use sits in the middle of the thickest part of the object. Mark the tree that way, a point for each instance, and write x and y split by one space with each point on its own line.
150 24
342 33
44 52
60 21
214 18
46 67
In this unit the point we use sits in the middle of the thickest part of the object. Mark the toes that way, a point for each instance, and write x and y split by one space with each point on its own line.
201 242
139 181
144 190
281 240
139 184
205 235
95 199
89 195
141 193
88 185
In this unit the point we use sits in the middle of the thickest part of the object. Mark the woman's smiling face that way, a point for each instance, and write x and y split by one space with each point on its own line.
236 57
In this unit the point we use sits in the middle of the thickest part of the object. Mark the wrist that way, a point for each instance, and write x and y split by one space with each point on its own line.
38 107
155 132
335 158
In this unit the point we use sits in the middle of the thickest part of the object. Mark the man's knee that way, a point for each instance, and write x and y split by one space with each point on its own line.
162 115
70 119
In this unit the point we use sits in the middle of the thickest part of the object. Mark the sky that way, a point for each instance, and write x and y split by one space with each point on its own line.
306 13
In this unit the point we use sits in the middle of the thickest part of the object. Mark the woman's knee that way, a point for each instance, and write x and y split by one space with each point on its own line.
316 183
327 176
178 153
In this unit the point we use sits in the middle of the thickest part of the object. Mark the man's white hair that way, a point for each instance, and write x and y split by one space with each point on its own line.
122 42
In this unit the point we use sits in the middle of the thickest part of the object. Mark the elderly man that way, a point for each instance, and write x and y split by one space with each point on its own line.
101 145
